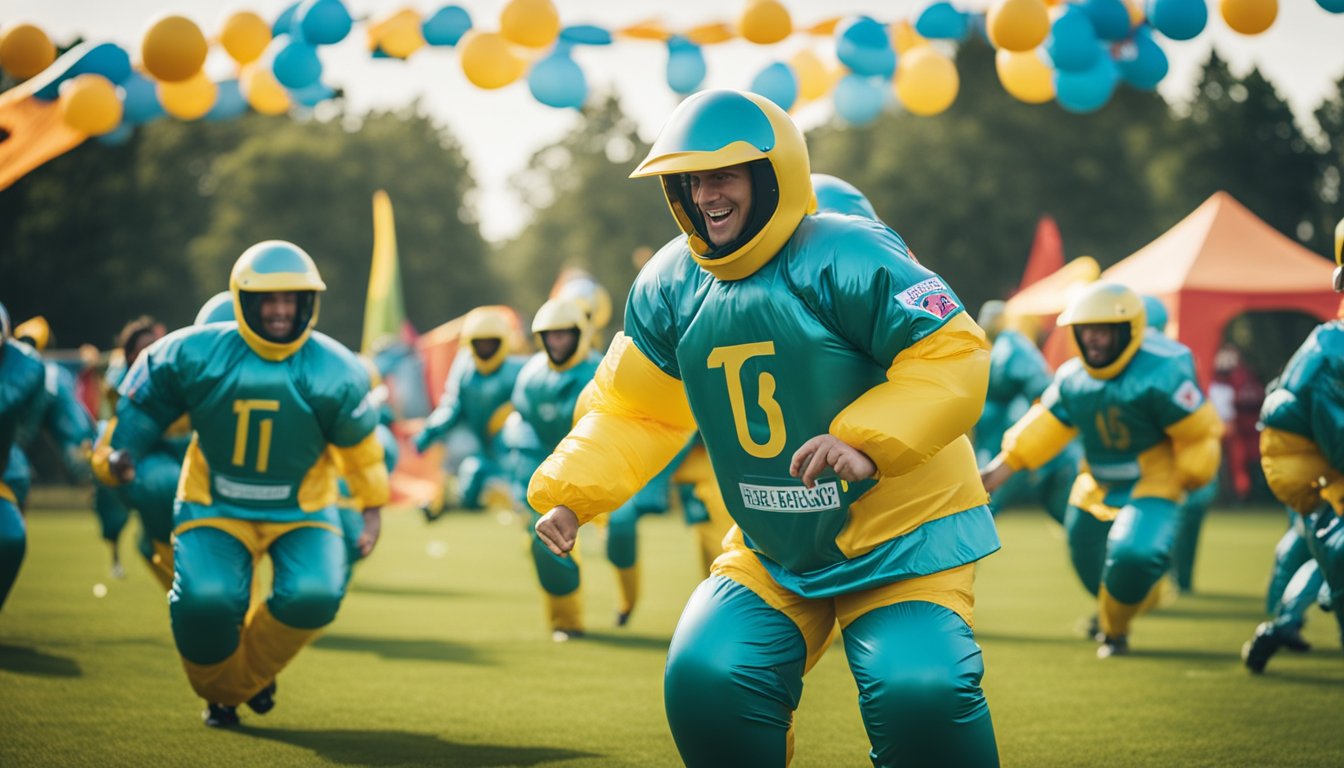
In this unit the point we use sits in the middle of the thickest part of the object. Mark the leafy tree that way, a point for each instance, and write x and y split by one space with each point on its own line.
586 212
313 182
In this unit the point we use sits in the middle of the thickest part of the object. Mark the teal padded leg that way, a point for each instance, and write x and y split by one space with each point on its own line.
310 570
622 535
13 544
212 580
734 677
559 576
918 669
1087 546
1189 522
1138 548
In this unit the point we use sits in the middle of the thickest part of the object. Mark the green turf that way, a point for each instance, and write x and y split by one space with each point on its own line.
439 658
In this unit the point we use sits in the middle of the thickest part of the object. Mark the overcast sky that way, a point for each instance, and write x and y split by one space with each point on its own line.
500 129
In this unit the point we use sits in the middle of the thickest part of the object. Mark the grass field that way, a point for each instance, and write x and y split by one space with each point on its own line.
439 658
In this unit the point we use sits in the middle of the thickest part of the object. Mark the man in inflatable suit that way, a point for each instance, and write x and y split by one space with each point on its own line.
476 396
1149 436
545 397
833 380
1302 453
279 412
22 379
1018 375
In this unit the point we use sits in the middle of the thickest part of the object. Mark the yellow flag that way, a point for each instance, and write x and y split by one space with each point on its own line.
384 309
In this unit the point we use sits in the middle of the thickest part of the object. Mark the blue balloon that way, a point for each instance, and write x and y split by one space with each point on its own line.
1072 44
940 21
558 81
1148 65
229 101
863 45
323 22
283 22
685 65
117 136
140 100
777 83
107 59
311 95
446 26
585 34
1110 18
1333 6
296 64
1178 19
859 99
1089 90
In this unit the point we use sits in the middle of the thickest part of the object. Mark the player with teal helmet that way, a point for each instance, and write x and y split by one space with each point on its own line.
22 380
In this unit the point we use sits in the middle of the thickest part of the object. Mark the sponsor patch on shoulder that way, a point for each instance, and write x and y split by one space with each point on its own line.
1188 396
932 296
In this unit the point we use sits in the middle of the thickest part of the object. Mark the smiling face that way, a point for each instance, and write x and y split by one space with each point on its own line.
277 310
1099 343
723 196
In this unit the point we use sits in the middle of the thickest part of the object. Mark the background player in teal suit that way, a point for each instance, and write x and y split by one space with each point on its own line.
1149 435
21 381
279 411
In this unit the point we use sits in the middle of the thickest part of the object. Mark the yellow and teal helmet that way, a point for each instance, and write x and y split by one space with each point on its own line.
563 315
723 128
275 266
35 331
490 322
1339 257
835 195
1109 304
584 287
216 309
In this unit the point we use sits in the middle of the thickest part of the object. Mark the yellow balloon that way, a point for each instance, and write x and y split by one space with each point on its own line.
1025 76
487 60
926 81
1249 17
399 35
904 37
173 48
245 36
89 104
533 23
1017 25
262 91
189 99
25 50
813 80
1137 14
765 22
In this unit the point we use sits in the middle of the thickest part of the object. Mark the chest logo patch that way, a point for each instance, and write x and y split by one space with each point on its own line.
931 296
770 498
1187 396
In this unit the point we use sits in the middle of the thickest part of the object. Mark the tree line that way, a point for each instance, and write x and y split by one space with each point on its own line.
105 233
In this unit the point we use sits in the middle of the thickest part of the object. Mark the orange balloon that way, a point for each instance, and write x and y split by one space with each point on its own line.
173 48
1017 25
533 23
189 99
25 50
89 104
1249 17
488 61
245 36
765 22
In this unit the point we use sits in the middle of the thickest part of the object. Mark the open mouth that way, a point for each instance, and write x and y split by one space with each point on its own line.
719 219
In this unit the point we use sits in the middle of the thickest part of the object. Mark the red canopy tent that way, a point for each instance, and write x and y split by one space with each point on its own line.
1222 261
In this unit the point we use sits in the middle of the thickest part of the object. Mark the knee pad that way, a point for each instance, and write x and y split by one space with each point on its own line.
309 601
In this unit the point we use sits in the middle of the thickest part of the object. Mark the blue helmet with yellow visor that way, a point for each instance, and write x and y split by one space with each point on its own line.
835 195
216 309
723 128
275 266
